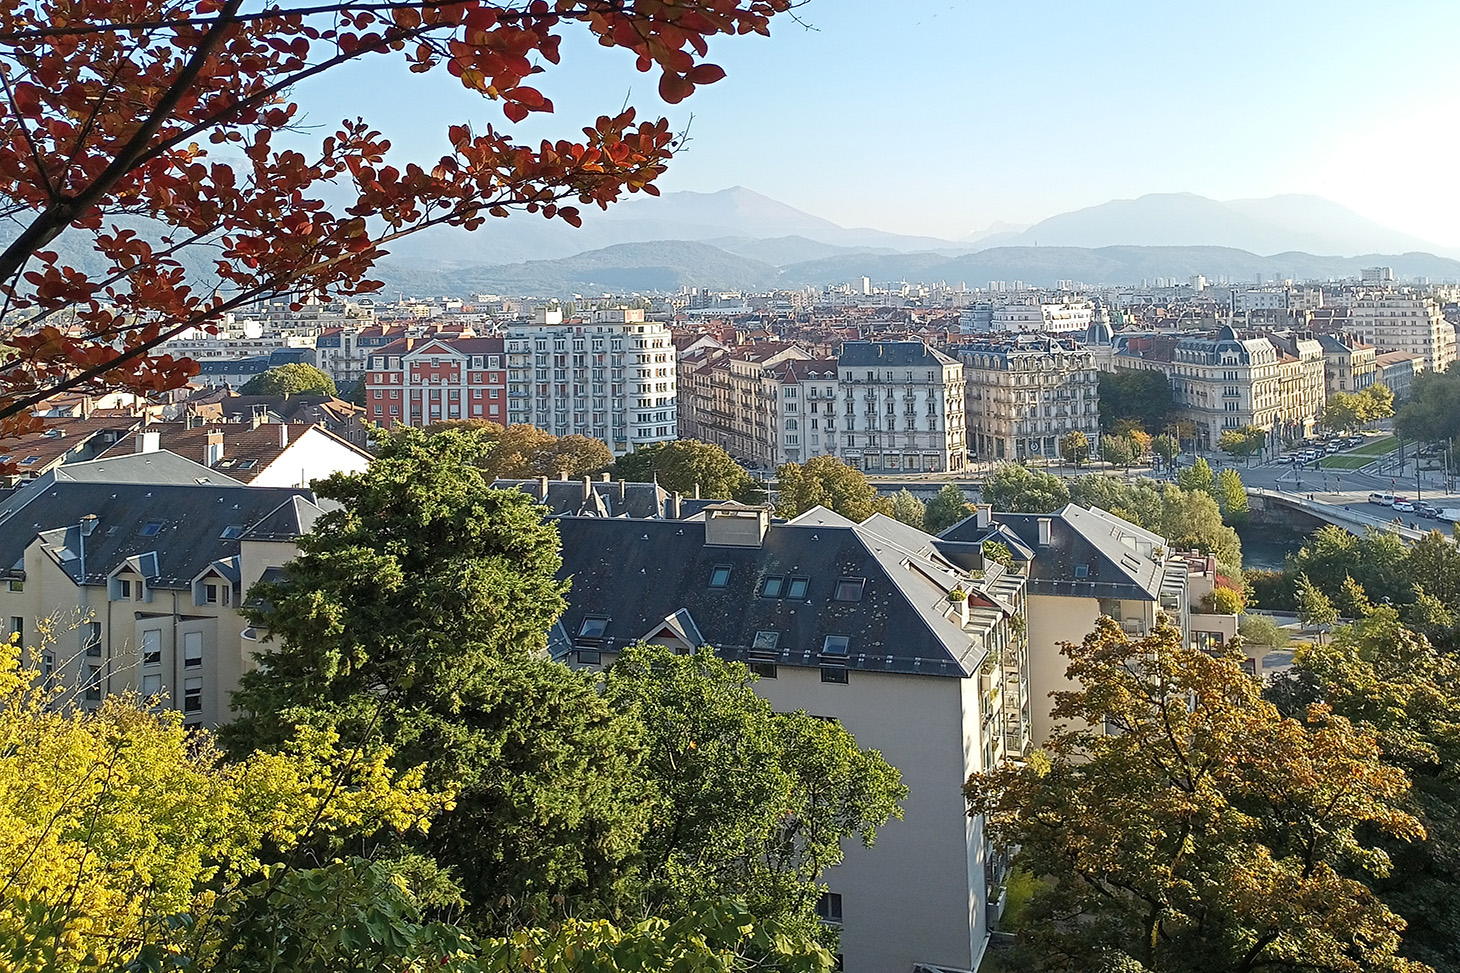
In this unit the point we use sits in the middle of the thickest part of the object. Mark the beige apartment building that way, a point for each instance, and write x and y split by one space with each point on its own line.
737 398
1025 393
901 408
1350 365
1415 325
1224 379
125 574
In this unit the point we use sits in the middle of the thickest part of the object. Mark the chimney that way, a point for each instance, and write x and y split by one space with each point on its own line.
674 500
587 488
1044 532
283 434
697 491
963 612
985 514
542 487
563 475
605 477
148 442
736 526
623 491
213 452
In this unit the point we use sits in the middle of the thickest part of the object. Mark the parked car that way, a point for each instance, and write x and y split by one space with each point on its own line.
1404 506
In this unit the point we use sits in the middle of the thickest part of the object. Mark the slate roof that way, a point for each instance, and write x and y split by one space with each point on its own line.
891 354
645 574
183 526
1114 554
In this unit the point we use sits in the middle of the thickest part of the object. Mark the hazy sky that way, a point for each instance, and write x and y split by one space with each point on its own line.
941 117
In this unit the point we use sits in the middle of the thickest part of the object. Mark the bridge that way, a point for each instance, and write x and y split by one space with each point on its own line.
1296 510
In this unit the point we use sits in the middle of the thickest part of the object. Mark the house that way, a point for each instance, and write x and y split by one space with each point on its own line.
857 623
125 573
257 453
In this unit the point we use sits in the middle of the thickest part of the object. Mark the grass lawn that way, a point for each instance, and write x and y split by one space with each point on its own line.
1377 447
1360 457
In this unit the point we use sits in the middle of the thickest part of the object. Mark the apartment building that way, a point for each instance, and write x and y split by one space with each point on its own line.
1040 317
733 397
419 381
125 574
610 376
858 623
1349 364
901 408
1222 379
1415 325
342 353
1025 392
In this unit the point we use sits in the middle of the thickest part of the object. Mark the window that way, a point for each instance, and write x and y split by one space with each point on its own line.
836 646
1082 570
151 528
232 531
93 639
771 587
766 670
192 650
590 657
214 594
17 627
849 589
17 586
93 684
152 684
829 907
720 576
593 627
124 589
835 674
152 647
193 696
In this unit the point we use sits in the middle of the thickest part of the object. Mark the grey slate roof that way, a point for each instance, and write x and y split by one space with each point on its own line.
891 354
1113 568
643 574
191 522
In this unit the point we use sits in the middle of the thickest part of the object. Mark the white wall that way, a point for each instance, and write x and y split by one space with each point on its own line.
917 895
1053 620
314 455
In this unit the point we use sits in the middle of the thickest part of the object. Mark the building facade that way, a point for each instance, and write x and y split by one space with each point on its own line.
1349 364
900 406
420 381
734 398
1415 325
1025 393
611 377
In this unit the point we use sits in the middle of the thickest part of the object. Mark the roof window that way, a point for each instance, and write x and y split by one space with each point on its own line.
836 645
151 528
772 586
796 588
1082 570
720 576
849 589
232 531
593 627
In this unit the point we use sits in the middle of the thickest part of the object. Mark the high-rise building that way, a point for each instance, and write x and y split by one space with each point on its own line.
610 376
1411 324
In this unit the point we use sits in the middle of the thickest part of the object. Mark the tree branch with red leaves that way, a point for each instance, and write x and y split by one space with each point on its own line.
104 104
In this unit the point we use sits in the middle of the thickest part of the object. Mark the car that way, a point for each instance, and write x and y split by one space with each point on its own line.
1404 506
1382 499
1427 509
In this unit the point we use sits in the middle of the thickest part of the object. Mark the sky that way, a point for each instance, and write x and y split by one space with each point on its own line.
940 117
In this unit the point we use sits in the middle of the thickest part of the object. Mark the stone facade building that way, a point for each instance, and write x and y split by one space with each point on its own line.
1025 393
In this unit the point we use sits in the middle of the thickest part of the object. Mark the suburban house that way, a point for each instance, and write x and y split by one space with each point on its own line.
125 573
259 453
920 654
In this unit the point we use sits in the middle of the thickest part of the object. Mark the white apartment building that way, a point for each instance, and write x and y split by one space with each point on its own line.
1066 317
1025 393
1410 324
611 377
901 408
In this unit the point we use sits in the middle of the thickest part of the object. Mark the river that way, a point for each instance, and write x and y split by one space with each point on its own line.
1266 545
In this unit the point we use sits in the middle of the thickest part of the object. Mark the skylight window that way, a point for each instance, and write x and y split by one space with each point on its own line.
151 528
836 645
593 627
1082 570
720 576
797 588
771 587
232 531
849 589
29 460
766 641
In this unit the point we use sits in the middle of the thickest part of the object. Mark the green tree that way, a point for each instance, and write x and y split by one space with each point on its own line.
1262 630
746 804
1432 413
1393 683
1139 395
1193 521
998 552
292 379
1075 447
1119 450
948 506
1315 610
1242 443
416 615
684 464
1232 497
1343 412
908 509
1198 478
1018 489
827 482
1167 447
1205 831
1378 402
523 452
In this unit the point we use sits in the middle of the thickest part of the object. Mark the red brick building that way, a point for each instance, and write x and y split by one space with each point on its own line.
418 381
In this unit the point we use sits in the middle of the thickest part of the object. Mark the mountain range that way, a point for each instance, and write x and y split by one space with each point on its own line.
739 239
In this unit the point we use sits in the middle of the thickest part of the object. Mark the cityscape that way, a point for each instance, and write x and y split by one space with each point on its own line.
1018 536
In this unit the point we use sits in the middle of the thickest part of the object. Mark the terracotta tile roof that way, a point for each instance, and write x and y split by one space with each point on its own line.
248 450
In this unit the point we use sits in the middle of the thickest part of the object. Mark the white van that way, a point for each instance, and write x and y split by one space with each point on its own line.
1382 499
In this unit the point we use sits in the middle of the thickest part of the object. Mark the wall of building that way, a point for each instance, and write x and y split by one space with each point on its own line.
918 895
314 455
1053 621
